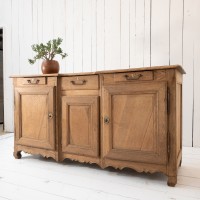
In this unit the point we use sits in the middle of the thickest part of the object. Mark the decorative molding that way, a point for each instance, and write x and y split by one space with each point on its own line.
139 167
34 151
82 159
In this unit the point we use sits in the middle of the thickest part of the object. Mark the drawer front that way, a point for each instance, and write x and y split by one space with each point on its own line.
80 83
32 81
128 77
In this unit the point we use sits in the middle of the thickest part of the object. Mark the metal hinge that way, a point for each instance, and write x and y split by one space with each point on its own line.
168 100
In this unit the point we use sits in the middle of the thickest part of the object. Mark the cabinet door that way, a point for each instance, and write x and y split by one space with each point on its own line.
34 117
135 121
80 125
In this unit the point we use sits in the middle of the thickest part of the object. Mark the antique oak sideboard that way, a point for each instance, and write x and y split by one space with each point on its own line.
120 118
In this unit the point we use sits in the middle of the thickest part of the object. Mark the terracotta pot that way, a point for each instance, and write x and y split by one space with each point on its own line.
50 67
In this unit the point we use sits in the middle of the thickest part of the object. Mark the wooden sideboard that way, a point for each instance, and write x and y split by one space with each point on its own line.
120 118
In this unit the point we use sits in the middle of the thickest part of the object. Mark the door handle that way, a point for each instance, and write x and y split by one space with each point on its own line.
133 76
79 82
33 81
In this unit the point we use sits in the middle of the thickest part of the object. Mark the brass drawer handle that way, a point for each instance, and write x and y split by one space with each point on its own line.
33 81
106 120
133 76
79 82
50 115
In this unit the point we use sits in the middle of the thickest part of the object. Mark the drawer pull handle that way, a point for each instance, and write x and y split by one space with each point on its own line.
33 81
50 115
133 76
79 82
106 120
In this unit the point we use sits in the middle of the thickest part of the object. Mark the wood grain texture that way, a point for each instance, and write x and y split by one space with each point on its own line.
175 124
152 68
138 166
80 83
159 75
35 151
80 92
128 77
114 120
80 125
134 132
179 118
81 158
32 109
34 81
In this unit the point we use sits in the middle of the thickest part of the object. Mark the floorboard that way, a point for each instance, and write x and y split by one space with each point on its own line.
35 177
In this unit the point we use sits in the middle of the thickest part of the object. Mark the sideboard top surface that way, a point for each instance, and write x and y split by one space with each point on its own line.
178 67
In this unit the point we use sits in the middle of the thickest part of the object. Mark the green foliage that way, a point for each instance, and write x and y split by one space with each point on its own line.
48 51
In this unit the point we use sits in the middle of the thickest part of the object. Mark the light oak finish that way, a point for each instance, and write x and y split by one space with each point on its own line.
80 125
129 76
137 127
34 111
80 83
33 81
122 118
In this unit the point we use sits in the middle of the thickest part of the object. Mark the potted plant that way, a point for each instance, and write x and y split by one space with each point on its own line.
47 52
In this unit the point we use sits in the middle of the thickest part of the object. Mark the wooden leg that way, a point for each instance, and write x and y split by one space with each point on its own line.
172 180
17 154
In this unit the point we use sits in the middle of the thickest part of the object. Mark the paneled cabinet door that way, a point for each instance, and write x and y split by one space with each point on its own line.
135 122
34 117
80 125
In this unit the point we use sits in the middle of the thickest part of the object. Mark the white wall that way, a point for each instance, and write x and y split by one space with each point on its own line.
107 34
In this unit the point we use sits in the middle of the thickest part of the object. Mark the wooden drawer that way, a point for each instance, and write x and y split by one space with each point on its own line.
32 81
80 83
128 77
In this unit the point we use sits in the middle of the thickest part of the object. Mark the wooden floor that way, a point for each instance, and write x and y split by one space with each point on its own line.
37 178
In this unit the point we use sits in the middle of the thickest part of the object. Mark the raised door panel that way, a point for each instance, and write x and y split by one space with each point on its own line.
135 121
34 117
80 125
